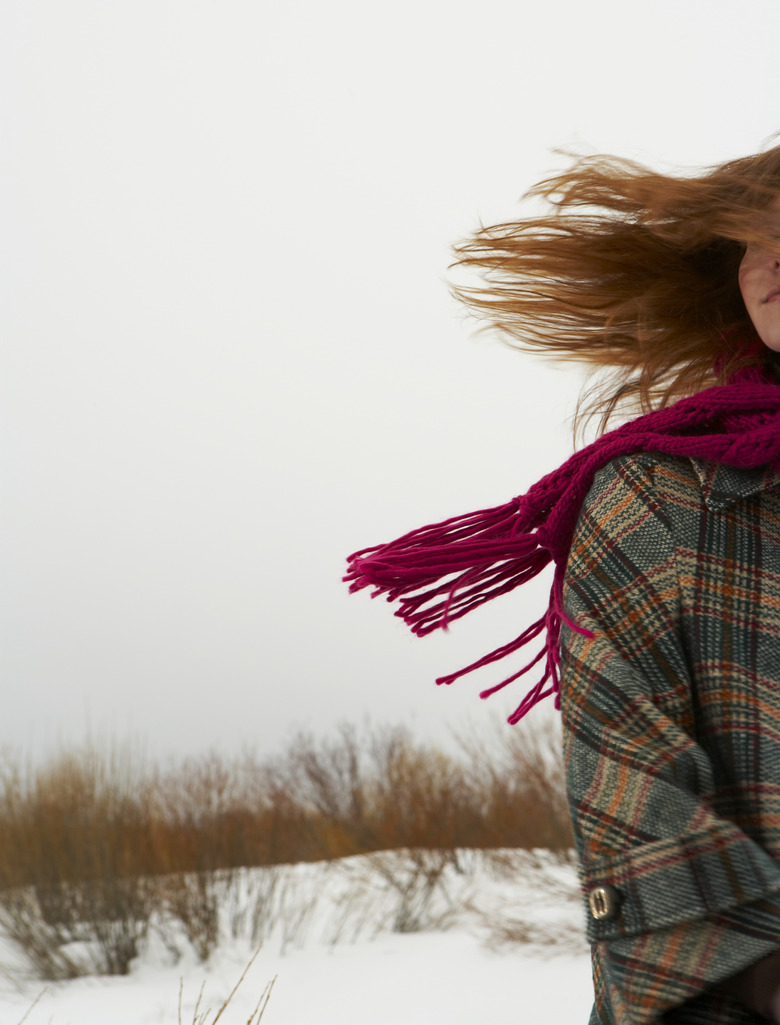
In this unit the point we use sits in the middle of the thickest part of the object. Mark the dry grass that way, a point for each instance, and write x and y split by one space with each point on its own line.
97 845
205 1017
541 917
31 1008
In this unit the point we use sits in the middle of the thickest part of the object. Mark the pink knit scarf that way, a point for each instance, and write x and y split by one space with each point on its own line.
444 570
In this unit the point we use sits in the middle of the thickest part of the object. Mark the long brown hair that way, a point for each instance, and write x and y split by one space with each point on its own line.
631 270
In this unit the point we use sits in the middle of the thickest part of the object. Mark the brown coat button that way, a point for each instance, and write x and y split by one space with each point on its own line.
603 902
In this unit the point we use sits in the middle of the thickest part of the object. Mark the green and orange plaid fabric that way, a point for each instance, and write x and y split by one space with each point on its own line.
671 716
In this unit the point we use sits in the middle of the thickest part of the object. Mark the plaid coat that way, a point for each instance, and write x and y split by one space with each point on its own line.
671 715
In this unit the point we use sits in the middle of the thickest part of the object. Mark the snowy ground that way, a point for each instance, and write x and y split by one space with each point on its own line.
500 944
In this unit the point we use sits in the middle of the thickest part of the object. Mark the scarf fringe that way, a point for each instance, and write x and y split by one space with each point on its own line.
443 571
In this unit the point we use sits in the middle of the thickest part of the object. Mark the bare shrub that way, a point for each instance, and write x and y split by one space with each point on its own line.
546 912
330 782
208 819
424 798
193 899
261 904
379 789
546 938
416 878
74 864
42 946
205 814
519 776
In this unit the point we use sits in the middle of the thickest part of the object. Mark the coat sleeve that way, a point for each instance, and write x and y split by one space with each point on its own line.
677 898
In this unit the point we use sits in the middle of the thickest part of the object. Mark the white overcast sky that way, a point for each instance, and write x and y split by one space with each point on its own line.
227 351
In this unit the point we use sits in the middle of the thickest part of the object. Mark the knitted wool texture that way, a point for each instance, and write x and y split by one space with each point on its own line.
442 571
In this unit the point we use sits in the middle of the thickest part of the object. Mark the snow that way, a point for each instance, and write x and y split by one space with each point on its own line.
343 965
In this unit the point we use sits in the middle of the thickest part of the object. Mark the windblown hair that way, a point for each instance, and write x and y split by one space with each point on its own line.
631 270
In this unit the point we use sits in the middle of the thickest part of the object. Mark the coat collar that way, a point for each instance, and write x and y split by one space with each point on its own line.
723 485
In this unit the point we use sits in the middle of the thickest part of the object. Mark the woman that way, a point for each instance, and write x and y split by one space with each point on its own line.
663 631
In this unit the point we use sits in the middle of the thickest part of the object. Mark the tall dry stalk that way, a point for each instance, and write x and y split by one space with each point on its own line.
202 1017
